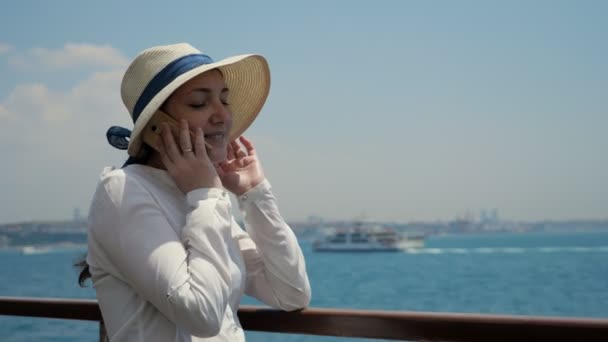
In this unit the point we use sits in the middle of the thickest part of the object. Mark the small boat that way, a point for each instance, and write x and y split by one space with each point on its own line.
28 250
366 239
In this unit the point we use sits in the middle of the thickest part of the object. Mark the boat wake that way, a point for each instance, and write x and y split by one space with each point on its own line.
508 250
31 250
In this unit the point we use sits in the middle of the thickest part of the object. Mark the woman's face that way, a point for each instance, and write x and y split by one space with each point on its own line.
203 102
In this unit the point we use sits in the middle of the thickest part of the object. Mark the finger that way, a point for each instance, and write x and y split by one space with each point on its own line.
235 146
169 143
237 149
163 155
248 145
230 150
184 138
220 170
199 143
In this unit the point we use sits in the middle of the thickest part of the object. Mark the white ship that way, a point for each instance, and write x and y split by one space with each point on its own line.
366 239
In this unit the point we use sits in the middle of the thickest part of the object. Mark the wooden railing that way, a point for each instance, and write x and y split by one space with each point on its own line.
392 325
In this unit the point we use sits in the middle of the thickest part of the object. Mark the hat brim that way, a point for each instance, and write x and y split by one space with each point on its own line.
247 77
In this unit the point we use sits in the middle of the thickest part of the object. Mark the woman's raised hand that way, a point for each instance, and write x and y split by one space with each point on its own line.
188 164
241 171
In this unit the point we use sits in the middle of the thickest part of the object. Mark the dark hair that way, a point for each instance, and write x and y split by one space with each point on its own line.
142 158
84 272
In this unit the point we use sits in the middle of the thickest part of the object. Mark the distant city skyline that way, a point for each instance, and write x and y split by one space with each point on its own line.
403 111
491 217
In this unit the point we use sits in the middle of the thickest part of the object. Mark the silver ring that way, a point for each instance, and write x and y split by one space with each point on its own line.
187 150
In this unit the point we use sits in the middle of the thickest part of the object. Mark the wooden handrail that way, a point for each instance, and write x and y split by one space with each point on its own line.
66 308
396 325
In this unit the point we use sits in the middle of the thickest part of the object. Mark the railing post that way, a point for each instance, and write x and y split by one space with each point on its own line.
103 335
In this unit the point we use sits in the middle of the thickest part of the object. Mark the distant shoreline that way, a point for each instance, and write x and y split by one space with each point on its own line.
69 233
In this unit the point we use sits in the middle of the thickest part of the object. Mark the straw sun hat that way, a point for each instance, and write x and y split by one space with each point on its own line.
157 72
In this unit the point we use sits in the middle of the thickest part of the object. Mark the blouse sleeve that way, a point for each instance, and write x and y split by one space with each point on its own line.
185 277
276 271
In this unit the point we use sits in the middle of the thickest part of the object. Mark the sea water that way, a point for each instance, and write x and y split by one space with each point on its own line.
548 274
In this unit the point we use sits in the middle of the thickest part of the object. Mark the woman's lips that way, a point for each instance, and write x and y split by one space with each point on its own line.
214 138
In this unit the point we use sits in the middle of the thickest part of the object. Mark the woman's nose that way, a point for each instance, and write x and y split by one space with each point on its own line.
220 113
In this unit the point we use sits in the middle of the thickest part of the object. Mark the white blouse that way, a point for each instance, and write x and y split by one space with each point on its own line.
173 267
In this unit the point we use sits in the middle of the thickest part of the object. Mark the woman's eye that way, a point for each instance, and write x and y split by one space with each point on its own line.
225 103
198 105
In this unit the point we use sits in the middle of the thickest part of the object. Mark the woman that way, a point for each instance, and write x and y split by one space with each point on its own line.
167 259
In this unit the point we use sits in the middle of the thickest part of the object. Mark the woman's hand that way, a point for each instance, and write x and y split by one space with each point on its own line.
188 164
242 170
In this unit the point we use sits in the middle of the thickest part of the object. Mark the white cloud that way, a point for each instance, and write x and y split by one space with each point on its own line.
71 56
5 115
53 144
5 48
33 114
33 103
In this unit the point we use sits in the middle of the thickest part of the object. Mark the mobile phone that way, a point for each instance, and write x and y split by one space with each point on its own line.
151 132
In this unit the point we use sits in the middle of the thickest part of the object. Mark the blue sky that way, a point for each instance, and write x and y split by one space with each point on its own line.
391 110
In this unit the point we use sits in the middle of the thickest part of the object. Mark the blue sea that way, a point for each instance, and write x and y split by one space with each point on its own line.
549 274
